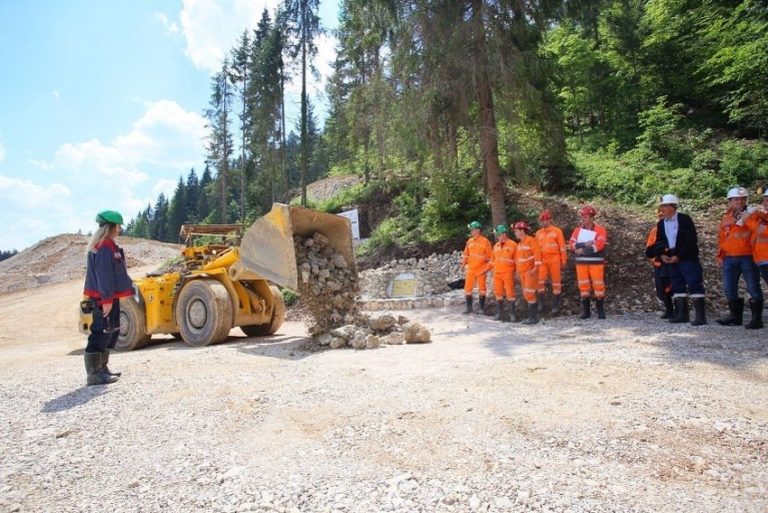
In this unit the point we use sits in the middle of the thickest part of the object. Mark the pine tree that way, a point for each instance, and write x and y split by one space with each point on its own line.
220 143
304 27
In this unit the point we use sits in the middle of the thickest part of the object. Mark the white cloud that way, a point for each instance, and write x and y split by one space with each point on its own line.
171 27
125 174
41 164
56 95
212 27
166 136
166 186
27 194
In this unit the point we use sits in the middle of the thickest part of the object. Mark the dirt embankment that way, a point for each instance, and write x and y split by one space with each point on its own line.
62 258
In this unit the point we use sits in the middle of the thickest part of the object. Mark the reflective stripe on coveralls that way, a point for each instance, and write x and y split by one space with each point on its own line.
553 256
477 255
503 265
527 257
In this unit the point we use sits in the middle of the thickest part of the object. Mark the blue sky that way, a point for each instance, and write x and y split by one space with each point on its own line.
101 103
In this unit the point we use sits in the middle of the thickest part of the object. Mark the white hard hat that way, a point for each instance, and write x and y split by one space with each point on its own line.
737 192
669 199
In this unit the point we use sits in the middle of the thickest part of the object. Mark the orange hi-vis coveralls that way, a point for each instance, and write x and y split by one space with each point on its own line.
553 257
503 265
734 239
758 223
477 256
590 268
527 261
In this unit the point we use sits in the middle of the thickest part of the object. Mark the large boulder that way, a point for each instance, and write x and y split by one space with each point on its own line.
415 333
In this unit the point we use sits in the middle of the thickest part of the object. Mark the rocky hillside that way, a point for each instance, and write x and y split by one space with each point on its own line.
62 258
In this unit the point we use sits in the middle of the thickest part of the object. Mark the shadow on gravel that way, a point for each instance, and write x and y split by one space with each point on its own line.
732 348
73 399
275 346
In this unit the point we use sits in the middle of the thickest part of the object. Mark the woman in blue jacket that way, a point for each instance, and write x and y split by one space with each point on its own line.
106 281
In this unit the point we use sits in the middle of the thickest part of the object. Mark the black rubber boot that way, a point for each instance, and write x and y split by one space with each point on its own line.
105 361
482 304
540 302
585 313
499 310
701 314
600 303
555 305
512 317
468 310
533 314
736 309
96 376
669 308
681 310
756 305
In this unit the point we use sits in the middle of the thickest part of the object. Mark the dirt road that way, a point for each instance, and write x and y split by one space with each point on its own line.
629 414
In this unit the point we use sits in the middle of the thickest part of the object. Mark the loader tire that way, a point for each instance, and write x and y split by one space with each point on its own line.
204 312
133 326
271 327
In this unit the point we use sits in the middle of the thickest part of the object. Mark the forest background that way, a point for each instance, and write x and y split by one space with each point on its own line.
443 108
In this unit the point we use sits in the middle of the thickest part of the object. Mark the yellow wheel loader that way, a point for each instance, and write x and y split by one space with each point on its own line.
226 284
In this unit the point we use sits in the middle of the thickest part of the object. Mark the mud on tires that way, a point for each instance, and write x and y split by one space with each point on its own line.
204 312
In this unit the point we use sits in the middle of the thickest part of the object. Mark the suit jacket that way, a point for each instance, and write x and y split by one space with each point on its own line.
686 245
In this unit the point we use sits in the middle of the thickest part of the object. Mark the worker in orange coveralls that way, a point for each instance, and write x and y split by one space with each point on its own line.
527 264
734 257
588 243
660 273
760 242
553 259
477 256
503 265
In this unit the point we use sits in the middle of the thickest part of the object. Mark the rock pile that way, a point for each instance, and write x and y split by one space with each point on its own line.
380 330
432 275
330 289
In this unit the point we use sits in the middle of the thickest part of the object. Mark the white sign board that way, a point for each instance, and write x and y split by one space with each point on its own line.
352 216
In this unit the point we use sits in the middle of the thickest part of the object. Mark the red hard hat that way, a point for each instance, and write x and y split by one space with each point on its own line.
545 216
521 225
588 211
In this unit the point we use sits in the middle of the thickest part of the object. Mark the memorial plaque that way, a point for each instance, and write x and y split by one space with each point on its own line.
403 285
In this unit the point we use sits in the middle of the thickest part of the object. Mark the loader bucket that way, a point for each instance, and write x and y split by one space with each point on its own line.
266 249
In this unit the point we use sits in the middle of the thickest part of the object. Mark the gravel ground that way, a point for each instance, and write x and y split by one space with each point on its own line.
630 414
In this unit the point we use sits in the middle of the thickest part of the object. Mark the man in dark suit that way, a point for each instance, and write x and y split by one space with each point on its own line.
677 246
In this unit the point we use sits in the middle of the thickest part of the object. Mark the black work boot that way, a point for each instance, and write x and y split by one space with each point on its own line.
468 310
540 301
701 314
512 317
681 310
555 305
105 361
585 313
482 304
736 310
600 303
499 310
669 309
756 305
96 376
533 314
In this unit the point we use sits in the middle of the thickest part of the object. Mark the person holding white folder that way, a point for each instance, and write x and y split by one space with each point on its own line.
588 243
